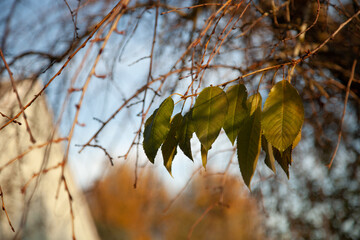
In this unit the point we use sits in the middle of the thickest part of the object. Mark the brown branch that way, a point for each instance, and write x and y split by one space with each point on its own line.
307 29
151 60
191 7
3 115
118 13
23 189
343 113
7 24
140 90
30 149
97 26
182 190
200 219
71 208
86 84
102 148
73 19
32 139
332 35
4 209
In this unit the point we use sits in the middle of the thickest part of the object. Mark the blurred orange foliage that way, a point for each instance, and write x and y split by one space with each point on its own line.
122 212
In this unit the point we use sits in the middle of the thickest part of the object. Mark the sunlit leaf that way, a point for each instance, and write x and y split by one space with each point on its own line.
269 157
283 115
169 146
253 103
209 114
297 140
284 158
248 145
185 134
204 153
237 110
157 127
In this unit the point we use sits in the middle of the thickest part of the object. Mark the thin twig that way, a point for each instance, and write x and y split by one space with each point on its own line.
334 33
30 149
182 190
200 219
102 148
191 7
343 113
3 115
4 209
23 189
97 26
71 207
92 72
32 139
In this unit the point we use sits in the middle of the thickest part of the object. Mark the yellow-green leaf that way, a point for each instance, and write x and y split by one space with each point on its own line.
156 128
284 158
204 153
283 115
185 134
209 114
237 110
248 145
254 102
169 146
269 157
297 140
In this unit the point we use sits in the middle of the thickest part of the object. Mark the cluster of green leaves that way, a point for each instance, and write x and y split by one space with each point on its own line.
276 128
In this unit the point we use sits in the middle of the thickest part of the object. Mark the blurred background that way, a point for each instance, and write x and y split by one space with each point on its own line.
136 53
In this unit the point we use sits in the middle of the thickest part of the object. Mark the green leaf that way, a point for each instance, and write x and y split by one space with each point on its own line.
284 158
185 133
248 145
209 114
253 103
157 127
269 158
204 153
283 115
169 146
237 110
